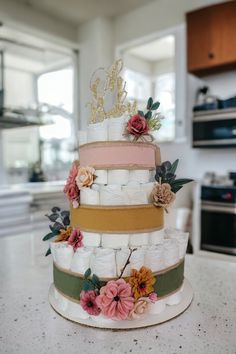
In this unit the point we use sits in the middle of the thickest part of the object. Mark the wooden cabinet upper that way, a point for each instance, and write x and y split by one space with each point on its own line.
211 38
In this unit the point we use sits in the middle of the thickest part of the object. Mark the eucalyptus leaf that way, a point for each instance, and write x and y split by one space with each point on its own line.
55 232
141 113
149 103
48 236
48 252
155 106
87 273
96 280
148 115
87 285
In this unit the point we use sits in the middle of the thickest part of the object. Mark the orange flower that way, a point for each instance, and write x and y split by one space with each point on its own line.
64 234
142 282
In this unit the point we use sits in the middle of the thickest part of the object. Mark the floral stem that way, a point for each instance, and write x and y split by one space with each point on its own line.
127 262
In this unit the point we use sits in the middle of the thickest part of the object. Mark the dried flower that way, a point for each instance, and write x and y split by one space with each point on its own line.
71 189
115 299
162 195
64 234
142 282
75 239
88 302
137 126
140 307
85 177
153 297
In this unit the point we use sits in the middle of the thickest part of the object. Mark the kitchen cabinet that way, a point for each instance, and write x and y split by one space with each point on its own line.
211 39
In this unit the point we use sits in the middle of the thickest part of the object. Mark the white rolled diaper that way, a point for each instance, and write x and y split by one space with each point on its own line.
112 195
171 252
115 240
97 132
81 260
116 128
121 258
156 237
103 263
154 258
137 259
89 196
135 196
148 187
157 307
174 299
141 176
101 176
118 177
181 237
63 254
91 239
82 137
140 239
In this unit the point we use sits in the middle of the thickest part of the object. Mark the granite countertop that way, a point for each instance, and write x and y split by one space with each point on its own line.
29 325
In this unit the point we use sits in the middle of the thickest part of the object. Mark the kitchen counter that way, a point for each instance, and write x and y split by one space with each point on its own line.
29 325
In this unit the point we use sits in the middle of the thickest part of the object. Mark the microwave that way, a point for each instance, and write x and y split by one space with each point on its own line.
216 128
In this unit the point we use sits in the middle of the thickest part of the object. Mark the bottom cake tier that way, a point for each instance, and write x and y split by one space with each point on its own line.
163 310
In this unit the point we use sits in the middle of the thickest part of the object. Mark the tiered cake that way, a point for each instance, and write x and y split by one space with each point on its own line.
114 264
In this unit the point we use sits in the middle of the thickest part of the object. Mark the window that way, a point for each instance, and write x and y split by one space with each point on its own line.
139 86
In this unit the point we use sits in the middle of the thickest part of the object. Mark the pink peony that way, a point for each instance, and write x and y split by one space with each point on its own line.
137 126
71 189
88 302
75 239
115 299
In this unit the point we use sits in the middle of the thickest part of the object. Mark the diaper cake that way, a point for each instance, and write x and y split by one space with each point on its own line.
114 264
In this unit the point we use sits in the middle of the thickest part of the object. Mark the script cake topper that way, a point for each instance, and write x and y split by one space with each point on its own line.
109 94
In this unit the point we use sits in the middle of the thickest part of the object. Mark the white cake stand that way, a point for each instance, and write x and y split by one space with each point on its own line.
145 321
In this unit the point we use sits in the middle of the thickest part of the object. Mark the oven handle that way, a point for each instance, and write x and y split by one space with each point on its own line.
219 209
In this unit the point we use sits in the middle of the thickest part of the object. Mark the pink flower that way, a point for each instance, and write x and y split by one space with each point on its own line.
153 297
115 299
85 176
137 126
140 307
75 239
71 189
88 302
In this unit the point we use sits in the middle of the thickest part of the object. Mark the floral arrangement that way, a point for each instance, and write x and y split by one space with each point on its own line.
61 231
141 124
119 299
166 186
79 177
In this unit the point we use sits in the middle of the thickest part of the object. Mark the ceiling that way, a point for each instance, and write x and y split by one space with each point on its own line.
78 11
159 49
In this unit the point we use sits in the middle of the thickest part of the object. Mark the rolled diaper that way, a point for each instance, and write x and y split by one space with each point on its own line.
135 196
81 260
97 132
112 195
82 137
181 237
116 128
156 237
148 187
121 259
115 240
141 176
157 307
101 177
154 258
118 177
137 259
91 239
103 263
140 239
95 187
63 254
89 196
174 299
171 252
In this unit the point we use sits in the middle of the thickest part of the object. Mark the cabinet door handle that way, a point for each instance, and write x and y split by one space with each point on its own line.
211 55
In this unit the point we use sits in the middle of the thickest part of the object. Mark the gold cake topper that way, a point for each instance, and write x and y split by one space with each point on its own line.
109 94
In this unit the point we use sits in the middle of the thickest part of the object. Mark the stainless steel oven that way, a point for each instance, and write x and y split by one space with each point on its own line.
218 219
214 128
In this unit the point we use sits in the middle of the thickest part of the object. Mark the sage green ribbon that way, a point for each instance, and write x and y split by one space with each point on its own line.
71 284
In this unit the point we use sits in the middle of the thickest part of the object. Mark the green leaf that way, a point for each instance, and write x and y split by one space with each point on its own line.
66 221
87 273
53 217
65 213
155 106
55 232
55 209
141 113
174 166
149 103
96 280
57 226
181 181
48 236
148 115
48 252
87 285
175 189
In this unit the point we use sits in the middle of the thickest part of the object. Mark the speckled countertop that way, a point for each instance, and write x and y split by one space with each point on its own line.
29 325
